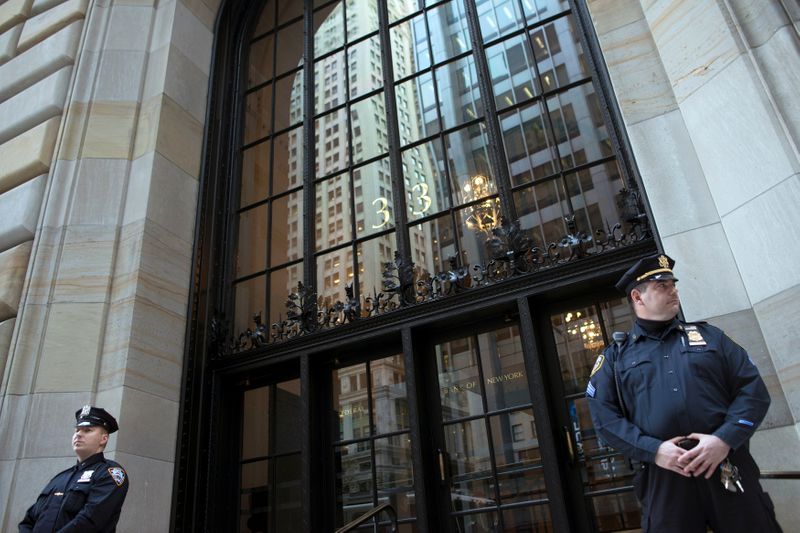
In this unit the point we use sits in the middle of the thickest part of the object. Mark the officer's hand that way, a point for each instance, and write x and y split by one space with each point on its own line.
669 454
706 456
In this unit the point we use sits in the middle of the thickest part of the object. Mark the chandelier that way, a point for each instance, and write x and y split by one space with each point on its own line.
586 329
483 216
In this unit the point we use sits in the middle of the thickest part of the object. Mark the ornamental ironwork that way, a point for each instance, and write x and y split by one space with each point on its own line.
511 252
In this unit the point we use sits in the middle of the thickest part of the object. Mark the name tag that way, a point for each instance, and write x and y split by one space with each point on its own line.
86 477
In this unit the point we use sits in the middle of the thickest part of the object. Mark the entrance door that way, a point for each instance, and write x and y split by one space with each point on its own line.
599 478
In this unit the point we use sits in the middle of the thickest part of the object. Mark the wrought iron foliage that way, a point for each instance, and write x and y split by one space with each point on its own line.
511 252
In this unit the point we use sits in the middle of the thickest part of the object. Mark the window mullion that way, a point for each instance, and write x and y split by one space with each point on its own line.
496 149
309 152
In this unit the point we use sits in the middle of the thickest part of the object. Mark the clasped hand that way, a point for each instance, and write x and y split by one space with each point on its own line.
701 460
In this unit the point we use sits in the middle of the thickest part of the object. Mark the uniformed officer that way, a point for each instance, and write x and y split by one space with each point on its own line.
88 496
683 399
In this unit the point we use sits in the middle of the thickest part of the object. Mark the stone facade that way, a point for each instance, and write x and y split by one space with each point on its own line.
102 110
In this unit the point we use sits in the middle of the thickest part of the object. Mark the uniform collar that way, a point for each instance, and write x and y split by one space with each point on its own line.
639 332
92 459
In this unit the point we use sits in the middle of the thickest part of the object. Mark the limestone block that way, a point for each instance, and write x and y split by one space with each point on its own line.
98 192
739 143
13 12
777 448
167 128
13 265
51 422
186 84
608 15
30 477
40 6
6 479
128 26
192 37
151 425
34 105
19 212
672 175
694 40
759 19
70 350
160 191
760 233
40 61
12 422
778 317
45 24
641 85
27 155
8 43
108 128
119 76
706 266
6 329
150 490
84 271
205 13
22 365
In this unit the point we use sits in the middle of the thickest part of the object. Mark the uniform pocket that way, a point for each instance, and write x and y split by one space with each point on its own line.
75 498
636 375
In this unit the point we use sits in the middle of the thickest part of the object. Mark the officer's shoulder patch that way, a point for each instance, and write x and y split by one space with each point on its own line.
118 475
598 364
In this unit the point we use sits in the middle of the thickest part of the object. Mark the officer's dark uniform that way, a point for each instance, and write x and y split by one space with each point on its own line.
86 497
690 379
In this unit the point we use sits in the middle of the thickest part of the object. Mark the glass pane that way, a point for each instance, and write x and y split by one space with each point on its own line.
459 379
372 255
353 481
255 423
579 130
498 17
362 18
389 399
329 29
334 271
510 65
417 111
477 523
579 339
329 82
526 141
459 95
288 418
540 212
503 368
520 473
616 512
368 120
258 114
260 61
372 186
350 403
251 250
475 225
249 302
403 8
267 20
468 162
410 51
255 476
282 283
287 165
617 316
331 135
593 193
536 10
333 224
531 519
449 32
433 245
288 492
395 474
425 180
559 54
288 90
287 228
290 47
255 173
364 67
472 482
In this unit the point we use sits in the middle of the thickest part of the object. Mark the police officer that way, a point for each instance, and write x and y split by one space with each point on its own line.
682 400
88 496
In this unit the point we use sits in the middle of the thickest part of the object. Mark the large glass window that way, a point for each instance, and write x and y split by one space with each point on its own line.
422 169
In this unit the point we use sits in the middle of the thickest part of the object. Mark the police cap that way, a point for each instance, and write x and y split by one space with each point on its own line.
95 416
656 267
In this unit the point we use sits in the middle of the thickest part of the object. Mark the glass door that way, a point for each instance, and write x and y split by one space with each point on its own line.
490 466
579 334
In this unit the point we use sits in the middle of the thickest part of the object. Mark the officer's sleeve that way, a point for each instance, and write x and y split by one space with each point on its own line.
32 515
616 430
750 397
103 505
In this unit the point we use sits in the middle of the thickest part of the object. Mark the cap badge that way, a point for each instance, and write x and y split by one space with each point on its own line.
663 262
86 410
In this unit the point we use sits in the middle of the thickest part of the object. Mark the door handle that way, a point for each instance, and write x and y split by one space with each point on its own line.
570 445
441 454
